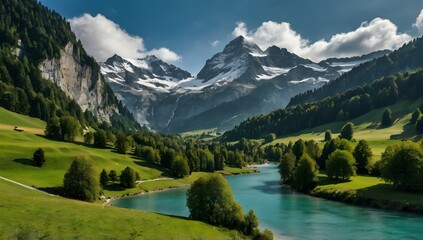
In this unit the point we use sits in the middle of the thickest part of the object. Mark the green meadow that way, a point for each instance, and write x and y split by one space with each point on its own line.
27 214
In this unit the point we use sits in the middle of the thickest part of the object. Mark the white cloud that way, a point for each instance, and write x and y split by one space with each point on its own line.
215 43
419 22
165 54
378 34
102 38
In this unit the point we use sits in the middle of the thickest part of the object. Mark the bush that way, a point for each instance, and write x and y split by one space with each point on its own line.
402 165
270 137
265 235
81 180
305 174
39 158
328 136
340 165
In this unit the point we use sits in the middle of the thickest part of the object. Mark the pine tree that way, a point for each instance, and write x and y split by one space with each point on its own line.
386 118
347 131
104 179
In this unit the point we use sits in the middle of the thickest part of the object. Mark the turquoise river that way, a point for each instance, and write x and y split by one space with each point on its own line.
291 215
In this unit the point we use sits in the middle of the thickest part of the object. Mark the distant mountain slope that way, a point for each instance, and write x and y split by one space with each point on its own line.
406 58
38 45
237 83
342 106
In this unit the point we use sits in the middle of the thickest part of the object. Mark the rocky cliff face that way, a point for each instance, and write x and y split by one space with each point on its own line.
79 82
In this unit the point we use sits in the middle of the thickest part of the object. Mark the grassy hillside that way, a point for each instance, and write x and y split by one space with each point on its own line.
10 119
367 127
25 213
17 148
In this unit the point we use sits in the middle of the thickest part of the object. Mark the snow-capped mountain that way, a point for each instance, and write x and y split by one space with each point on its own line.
237 83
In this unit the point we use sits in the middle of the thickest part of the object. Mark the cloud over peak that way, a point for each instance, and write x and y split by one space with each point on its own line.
378 34
419 22
102 38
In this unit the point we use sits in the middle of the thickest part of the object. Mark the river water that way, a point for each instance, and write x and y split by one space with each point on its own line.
291 215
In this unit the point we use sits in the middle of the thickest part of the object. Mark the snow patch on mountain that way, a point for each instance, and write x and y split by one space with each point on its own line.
272 72
311 80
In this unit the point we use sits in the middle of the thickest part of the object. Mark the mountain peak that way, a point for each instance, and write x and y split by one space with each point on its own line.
114 58
241 43
151 58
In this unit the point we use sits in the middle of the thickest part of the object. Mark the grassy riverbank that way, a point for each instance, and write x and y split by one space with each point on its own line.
368 191
27 214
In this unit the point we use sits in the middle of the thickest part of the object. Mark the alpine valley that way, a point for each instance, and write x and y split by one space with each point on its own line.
240 82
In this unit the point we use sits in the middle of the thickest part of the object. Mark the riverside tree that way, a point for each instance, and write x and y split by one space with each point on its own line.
287 166
402 165
340 165
210 200
305 174
81 180
362 154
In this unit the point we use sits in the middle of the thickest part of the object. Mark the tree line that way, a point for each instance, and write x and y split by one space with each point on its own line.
340 107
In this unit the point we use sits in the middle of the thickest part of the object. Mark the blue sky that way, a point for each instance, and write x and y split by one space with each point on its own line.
182 31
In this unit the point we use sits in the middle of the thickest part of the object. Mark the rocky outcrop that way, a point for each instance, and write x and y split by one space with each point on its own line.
80 82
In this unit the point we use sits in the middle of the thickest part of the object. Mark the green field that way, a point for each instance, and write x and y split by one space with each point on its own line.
17 148
368 191
26 213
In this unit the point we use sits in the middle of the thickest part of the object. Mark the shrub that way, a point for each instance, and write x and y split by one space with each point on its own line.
39 158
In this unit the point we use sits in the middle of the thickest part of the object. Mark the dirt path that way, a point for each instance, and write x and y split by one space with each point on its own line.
25 186
153 180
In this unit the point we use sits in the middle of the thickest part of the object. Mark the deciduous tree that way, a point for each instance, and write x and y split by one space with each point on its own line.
81 180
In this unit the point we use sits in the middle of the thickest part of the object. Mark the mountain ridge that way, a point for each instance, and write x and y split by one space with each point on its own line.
229 78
